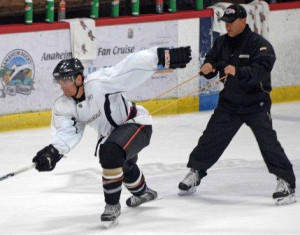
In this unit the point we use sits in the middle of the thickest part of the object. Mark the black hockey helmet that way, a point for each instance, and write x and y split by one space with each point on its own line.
68 68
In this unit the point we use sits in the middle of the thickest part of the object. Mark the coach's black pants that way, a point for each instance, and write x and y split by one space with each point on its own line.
220 130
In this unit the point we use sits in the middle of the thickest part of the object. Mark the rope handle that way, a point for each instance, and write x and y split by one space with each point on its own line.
192 93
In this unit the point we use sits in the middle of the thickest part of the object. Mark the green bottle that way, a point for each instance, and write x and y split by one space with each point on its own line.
94 9
199 5
135 7
28 11
115 4
50 11
172 6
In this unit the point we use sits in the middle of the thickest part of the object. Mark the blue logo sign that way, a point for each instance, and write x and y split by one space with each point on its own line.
16 74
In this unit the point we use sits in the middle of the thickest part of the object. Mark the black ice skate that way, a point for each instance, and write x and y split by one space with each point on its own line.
110 215
284 194
148 196
189 184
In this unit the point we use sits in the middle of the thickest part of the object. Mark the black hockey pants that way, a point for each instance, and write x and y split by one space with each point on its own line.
219 132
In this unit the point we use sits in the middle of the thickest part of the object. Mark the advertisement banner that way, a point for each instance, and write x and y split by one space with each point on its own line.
28 59
116 42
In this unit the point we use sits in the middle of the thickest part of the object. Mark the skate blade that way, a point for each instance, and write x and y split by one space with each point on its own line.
110 224
157 198
187 192
285 200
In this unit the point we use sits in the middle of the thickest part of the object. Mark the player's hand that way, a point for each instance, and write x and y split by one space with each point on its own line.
47 158
173 58
229 70
207 68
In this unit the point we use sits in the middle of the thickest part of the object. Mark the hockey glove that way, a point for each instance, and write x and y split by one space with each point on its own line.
173 58
47 158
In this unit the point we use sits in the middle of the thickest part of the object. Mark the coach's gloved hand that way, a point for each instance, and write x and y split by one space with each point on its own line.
173 58
47 158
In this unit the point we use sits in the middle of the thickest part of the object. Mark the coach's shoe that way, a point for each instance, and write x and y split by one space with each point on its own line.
189 184
284 194
147 196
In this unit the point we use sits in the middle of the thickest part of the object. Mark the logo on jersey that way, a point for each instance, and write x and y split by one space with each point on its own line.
93 118
90 97
16 74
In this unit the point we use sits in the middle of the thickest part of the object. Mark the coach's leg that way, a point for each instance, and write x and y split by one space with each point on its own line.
271 150
220 130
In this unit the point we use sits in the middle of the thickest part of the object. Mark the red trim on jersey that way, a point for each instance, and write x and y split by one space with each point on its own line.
132 137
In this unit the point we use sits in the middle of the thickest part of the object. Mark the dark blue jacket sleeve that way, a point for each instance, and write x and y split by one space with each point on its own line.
261 63
212 58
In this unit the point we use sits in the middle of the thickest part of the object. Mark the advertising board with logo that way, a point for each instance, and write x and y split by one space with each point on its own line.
119 41
17 74
27 61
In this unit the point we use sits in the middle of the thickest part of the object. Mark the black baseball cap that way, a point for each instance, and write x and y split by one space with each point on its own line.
234 12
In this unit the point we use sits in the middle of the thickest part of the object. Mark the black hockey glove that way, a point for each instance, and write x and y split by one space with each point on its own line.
47 158
173 58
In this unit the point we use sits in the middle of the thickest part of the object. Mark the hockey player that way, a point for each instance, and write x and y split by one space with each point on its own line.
123 127
247 58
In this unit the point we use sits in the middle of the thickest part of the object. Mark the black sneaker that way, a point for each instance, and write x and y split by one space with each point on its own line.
148 196
190 182
284 194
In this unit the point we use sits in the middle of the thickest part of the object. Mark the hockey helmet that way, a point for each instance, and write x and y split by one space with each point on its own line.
68 68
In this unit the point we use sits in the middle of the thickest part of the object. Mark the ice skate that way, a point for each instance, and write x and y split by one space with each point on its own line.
189 184
284 194
109 218
148 196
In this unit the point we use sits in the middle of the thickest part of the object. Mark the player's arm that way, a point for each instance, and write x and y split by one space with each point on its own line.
138 67
66 134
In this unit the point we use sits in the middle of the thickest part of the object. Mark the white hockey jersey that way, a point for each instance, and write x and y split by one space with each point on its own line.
104 106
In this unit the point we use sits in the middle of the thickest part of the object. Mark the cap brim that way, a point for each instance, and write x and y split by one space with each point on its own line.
227 19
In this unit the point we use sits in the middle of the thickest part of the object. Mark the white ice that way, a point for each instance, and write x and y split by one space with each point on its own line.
235 197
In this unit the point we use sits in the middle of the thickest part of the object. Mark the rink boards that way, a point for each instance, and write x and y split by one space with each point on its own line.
25 103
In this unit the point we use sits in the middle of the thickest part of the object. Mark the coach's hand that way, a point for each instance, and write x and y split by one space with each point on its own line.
229 70
206 69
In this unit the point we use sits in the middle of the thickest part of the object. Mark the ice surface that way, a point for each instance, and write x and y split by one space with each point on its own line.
235 197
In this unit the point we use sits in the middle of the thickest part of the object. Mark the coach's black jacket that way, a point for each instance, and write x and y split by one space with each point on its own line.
253 57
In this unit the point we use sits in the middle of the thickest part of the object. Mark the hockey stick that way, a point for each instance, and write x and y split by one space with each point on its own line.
17 172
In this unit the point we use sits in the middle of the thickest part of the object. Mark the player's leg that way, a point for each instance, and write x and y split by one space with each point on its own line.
135 137
112 158
134 181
